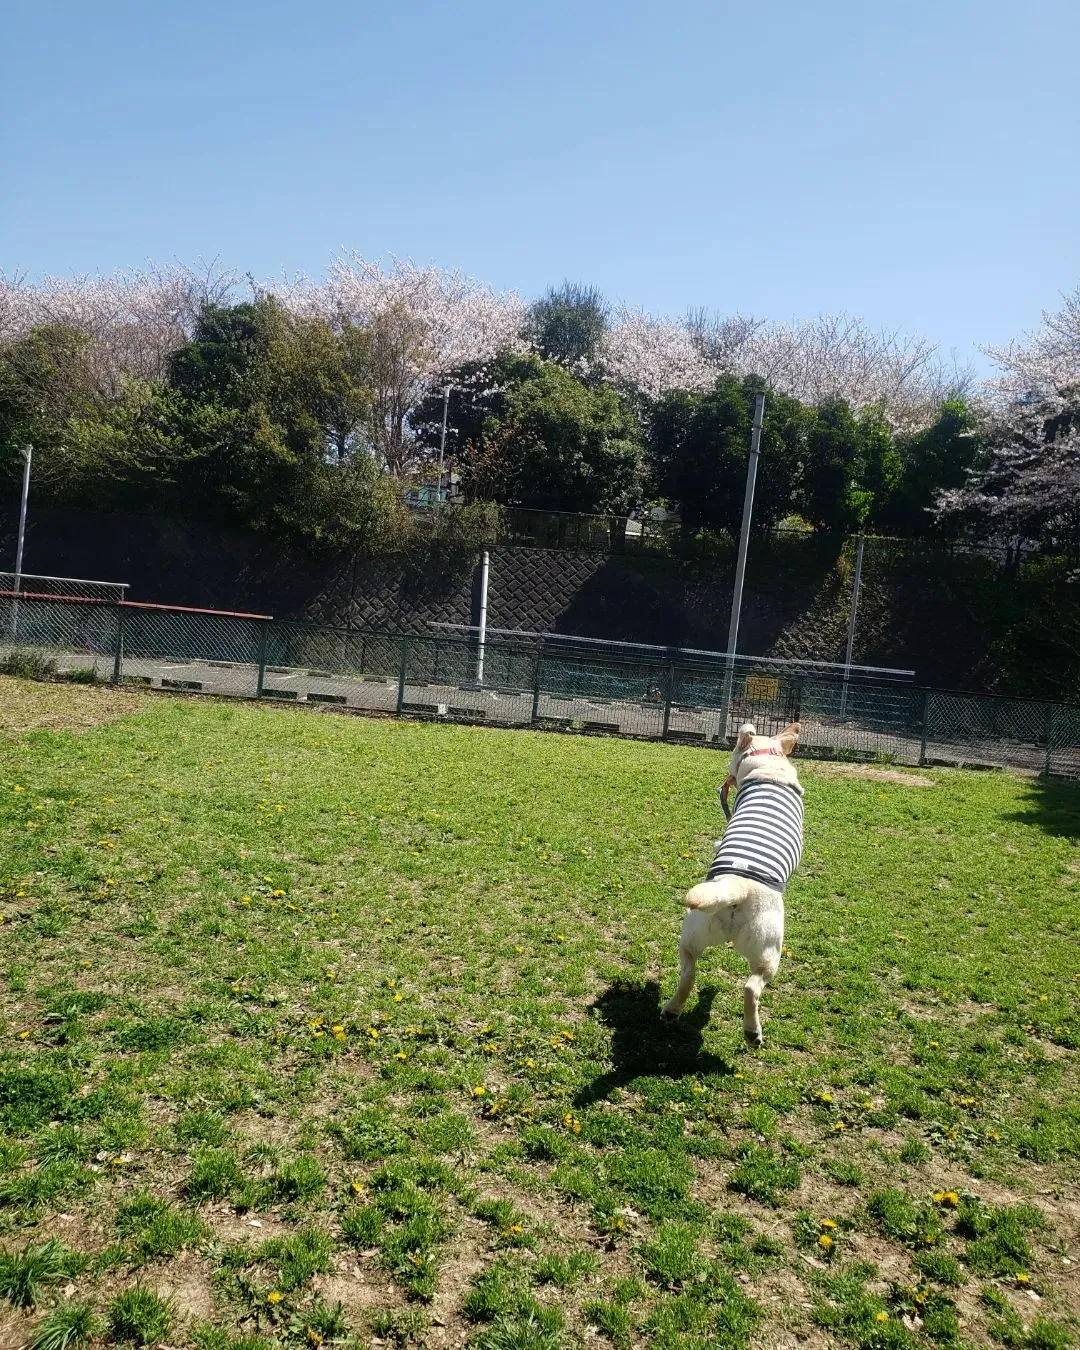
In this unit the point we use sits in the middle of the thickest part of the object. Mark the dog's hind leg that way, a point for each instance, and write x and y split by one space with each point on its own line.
692 942
767 965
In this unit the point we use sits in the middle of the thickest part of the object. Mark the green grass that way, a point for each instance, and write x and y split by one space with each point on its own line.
298 1006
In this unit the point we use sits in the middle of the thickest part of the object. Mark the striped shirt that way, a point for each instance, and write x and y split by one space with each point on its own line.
763 839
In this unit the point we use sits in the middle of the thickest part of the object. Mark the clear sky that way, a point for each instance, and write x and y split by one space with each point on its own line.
916 162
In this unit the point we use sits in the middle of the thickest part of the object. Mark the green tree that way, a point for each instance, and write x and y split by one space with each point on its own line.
936 459
699 445
273 414
45 381
553 443
568 323
851 467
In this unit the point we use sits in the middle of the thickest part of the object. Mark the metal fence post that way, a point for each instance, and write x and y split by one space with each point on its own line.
667 700
402 668
925 724
536 687
263 628
118 663
1050 710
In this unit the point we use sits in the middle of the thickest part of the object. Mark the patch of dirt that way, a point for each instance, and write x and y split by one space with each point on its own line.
233 1227
461 1264
15 1327
356 1290
27 705
839 770
187 1282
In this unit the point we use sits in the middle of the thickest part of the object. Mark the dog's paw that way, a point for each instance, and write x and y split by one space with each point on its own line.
669 1013
754 1039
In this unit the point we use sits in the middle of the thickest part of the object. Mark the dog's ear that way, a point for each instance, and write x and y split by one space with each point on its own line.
788 737
747 732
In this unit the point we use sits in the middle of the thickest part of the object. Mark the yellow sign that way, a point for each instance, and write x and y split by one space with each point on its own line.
762 688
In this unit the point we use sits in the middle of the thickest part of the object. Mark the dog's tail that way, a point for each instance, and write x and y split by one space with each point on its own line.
724 893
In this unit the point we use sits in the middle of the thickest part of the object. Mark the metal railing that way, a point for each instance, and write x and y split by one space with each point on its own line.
530 681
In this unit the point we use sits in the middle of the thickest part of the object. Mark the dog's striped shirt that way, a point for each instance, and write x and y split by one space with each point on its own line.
763 839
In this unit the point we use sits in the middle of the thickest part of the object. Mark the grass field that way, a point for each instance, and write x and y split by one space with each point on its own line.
320 1030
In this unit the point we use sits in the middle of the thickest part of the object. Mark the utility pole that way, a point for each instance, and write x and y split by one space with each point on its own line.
740 565
442 442
851 623
27 452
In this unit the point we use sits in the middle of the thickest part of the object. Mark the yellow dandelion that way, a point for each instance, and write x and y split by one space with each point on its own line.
18 787
274 1296
398 998
881 1317
560 937
401 1055
839 1125
829 1224
530 1063
1023 1278
277 894
516 1229
568 1035
479 1091
824 1242
387 919
357 1187
373 1032
24 1035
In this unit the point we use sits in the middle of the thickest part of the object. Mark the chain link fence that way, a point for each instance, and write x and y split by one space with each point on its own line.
696 698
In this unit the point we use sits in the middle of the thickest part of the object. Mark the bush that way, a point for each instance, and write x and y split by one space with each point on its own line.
28 663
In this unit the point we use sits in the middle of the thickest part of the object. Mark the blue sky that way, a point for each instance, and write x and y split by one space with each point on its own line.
915 163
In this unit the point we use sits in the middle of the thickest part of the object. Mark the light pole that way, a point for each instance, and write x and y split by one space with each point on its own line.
740 565
442 442
27 452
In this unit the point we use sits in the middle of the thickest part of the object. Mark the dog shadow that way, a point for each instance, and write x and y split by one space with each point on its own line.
644 1045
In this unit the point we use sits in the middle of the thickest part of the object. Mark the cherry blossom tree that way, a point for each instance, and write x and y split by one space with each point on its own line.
134 321
1026 484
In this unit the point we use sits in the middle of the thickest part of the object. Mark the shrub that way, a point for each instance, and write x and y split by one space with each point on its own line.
28 663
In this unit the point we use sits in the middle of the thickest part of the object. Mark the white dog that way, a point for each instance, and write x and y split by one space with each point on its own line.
742 899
